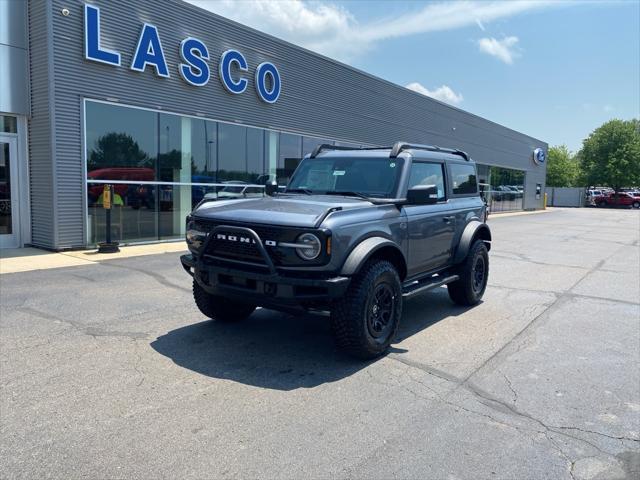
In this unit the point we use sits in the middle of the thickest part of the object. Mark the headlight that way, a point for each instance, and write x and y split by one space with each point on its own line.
311 248
194 235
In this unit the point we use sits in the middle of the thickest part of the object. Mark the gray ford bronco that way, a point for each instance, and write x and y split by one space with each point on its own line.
355 233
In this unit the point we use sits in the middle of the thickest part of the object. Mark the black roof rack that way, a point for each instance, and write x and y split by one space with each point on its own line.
398 147
328 146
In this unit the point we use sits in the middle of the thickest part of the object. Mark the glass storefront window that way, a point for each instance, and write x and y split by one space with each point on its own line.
502 188
6 223
232 152
163 164
133 215
255 155
290 154
122 143
8 124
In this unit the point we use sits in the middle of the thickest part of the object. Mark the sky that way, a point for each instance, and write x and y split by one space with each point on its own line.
555 70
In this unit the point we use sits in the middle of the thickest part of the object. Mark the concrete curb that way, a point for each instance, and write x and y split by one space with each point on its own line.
28 259
495 215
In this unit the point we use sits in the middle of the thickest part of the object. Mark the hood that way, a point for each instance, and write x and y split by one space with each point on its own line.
294 211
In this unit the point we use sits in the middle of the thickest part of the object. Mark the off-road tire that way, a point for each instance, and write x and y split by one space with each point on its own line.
467 290
355 318
220 308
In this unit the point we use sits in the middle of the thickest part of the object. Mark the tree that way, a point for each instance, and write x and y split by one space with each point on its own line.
563 168
117 150
611 154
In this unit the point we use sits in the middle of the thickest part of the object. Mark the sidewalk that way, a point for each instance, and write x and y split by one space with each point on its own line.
26 259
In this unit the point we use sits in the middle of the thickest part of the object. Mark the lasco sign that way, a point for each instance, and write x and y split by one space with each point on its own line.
195 56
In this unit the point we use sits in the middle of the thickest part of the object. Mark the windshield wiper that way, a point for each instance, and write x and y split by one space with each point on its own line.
306 191
349 194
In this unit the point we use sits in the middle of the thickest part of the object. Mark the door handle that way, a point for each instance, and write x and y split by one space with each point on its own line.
448 219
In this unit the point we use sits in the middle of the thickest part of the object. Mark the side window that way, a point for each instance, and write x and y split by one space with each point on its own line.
428 174
463 179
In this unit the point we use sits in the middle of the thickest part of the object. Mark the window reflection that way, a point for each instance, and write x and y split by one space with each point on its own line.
120 141
232 152
163 164
133 213
255 154
502 188
290 154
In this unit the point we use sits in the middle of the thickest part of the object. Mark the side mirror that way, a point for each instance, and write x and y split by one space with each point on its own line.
271 187
422 195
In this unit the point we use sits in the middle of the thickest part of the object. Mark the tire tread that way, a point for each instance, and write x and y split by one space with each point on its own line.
461 291
346 313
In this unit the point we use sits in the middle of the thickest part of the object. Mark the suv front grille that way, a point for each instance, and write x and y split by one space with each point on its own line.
236 250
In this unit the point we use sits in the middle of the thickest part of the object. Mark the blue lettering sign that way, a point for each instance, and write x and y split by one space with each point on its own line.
149 52
92 49
194 68
229 58
263 71
195 71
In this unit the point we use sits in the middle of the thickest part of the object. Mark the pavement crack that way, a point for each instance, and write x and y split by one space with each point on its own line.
509 384
570 462
426 368
529 326
161 279
136 364
613 437
498 405
89 330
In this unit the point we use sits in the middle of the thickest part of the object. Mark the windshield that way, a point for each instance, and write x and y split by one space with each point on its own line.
373 177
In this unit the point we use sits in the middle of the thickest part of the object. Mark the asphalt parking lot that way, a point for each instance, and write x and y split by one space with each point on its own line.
109 371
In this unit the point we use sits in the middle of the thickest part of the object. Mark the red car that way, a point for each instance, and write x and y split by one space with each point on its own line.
132 174
621 199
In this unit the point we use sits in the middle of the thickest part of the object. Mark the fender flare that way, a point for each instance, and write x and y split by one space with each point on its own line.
473 229
363 251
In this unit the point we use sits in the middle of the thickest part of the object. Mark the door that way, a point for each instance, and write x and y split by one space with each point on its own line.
9 221
431 227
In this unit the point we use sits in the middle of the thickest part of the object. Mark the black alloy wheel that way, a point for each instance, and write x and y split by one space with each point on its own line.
380 308
479 269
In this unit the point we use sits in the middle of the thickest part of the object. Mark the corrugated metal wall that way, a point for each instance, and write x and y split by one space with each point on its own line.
41 159
319 97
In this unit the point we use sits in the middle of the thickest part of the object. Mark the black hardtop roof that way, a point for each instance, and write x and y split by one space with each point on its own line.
415 150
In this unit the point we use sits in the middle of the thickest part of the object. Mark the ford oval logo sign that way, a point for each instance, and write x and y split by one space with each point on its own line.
539 156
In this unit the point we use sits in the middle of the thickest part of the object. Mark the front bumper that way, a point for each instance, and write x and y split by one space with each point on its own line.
264 289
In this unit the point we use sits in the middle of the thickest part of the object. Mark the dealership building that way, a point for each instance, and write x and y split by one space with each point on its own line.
168 102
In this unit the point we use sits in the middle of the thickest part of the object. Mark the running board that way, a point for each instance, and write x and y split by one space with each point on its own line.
423 286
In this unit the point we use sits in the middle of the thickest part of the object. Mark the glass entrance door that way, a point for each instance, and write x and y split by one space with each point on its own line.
9 222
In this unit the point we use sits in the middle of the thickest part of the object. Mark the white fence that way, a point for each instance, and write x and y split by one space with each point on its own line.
565 197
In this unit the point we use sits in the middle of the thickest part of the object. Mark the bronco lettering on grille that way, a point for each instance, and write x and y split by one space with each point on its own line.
235 238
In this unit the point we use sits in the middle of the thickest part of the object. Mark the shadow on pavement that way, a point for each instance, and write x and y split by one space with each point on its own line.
283 352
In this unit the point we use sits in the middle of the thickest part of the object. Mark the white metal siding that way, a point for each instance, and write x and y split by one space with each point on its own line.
40 129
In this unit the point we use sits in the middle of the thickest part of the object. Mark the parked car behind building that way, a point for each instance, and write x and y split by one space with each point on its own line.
620 199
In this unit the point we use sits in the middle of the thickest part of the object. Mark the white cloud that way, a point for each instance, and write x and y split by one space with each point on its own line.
505 49
332 30
607 108
480 25
443 93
